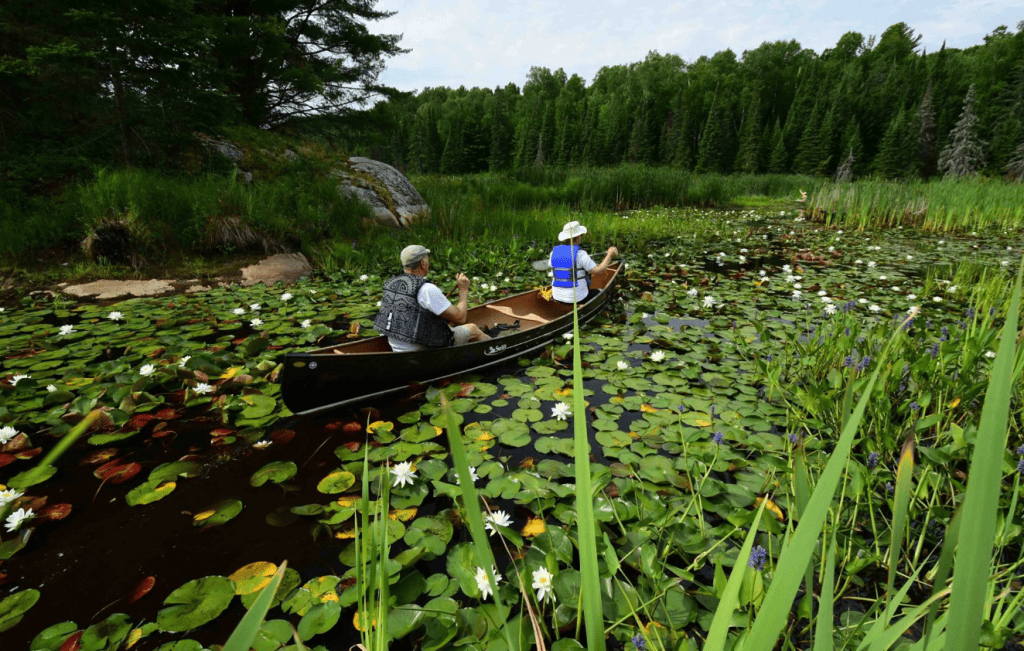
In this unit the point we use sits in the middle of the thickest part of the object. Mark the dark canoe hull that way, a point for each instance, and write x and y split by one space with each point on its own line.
320 380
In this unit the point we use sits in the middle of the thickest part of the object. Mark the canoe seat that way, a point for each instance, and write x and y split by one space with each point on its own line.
507 311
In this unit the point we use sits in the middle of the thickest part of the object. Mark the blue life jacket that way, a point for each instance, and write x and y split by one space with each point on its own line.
563 257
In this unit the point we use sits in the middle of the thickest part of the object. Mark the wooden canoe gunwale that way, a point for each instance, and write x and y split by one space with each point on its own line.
308 379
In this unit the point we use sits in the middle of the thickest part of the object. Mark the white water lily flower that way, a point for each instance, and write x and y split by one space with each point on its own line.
990 354
657 356
862 301
472 474
561 411
50 388
762 273
831 249
796 293
66 330
567 336
15 519
147 370
882 277
494 288
202 388
692 291
8 496
797 286
115 316
257 322
1005 263
497 519
709 300
911 297
403 473
483 584
306 323
858 262
364 277
790 278
872 264
312 291
379 303
826 299
951 289
6 434
822 293
743 259
286 297
542 584
184 360
874 308
913 310
238 310
937 299
910 257
786 268
260 445
830 309
254 307
622 365
18 378
895 288
942 241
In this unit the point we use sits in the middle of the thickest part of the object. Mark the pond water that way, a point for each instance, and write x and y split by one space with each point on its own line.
728 350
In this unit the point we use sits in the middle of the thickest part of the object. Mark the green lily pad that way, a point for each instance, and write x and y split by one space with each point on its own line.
275 471
14 607
196 603
51 639
217 514
321 618
149 492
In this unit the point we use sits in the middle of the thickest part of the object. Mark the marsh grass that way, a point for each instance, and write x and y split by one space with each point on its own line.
940 205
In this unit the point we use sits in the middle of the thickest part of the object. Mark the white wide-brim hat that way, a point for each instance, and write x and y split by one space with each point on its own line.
571 230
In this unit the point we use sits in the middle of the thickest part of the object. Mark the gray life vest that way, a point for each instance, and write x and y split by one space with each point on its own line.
402 317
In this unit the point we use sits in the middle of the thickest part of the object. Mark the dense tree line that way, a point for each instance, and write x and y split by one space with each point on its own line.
886 108
115 83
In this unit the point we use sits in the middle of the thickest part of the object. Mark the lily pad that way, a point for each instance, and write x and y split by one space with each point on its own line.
275 471
196 603
150 492
14 607
217 514
338 481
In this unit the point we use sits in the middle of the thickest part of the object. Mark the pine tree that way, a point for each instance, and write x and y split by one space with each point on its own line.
748 158
778 162
926 137
852 142
890 160
965 152
711 145
829 141
808 154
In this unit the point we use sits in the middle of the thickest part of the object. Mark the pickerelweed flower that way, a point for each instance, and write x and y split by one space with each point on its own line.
914 406
6 434
403 474
758 556
872 460
15 519
934 350
1020 466
849 361
561 411
864 362
542 584
495 520
794 439
657 356
483 584
639 643
719 438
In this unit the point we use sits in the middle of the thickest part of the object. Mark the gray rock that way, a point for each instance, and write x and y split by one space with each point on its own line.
229 150
286 267
392 197
104 289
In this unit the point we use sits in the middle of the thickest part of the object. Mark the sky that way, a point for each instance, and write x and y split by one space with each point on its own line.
487 43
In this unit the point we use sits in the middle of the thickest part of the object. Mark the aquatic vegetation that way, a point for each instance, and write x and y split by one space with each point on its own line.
722 443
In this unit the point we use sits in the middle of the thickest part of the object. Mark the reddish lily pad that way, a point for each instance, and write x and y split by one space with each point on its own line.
6 459
54 512
138 421
282 436
141 589
17 443
99 456
28 454
166 414
73 643
117 472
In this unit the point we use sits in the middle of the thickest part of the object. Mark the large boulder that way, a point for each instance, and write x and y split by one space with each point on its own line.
392 197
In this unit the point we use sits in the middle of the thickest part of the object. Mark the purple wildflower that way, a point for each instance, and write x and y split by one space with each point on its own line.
872 460
914 406
758 556
934 350
639 642
1020 450
864 362
1020 466
719 438
794 439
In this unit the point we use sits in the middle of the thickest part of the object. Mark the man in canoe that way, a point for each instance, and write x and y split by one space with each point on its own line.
565 288
415 314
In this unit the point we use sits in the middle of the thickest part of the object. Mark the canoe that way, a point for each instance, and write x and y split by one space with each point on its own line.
335 376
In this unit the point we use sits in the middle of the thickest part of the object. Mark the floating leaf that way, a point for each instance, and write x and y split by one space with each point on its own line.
36 475
14 607
54 512
141 589
275 471
253 577
196 603
338 481
117 472
218 514
150 492
51 639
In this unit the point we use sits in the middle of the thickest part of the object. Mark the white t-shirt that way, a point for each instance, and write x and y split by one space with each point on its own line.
430 298
564 294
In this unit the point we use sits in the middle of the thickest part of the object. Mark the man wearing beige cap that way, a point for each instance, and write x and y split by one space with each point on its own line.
415 314
572 267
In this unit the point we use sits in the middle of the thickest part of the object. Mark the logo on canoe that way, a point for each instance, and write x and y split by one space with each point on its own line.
312 365
494 350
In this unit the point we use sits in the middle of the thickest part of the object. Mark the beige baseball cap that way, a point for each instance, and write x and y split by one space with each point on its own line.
412 254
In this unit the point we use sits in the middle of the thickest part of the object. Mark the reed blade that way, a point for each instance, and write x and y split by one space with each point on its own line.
823 627
586 525
981 502
904 487
730 600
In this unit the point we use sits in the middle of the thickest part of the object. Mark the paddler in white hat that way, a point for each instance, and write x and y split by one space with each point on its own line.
571 266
